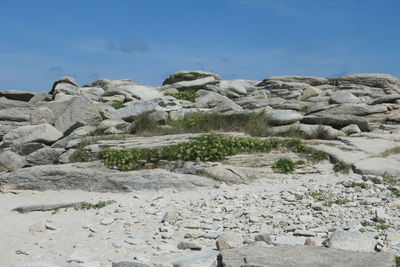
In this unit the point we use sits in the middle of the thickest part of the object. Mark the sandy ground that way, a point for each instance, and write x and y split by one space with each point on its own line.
122 231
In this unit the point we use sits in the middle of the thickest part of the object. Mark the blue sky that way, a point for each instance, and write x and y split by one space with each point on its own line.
146 40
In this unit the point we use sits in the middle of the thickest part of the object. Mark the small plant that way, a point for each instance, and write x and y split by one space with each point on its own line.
381 226
349 132
397 261
284 165
80 154
357 184
389 179
340 201
88 206
189 95
318 195
117 104
366 223
98 205
342 167
320 133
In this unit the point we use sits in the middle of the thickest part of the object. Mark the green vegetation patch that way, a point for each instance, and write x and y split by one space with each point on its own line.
210 147
189 95
117 104
284 165
88 206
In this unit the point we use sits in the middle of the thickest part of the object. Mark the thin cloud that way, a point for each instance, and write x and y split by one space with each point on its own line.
132 45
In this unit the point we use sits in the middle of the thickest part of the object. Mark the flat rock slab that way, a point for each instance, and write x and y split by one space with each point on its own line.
94 176
372 146
302 256
378 166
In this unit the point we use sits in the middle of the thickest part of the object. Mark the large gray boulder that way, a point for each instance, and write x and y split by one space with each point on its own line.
283 117
43 133
336 121
46 155
207 258
133 91
233 88
386 99
353 241
342 97
302 256
17 95
189 76
80 112
94 176
66 85
353 109
11 161
195 84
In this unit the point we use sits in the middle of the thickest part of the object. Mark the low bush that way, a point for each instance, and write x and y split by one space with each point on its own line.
342 167
284 165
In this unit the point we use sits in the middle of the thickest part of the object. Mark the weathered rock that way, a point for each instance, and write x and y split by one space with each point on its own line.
386 99
166 103
378 166
15 114
43 133
135 91
302 256
194 84
95 177
353 241
65 85
189 76
336 121
309 92
45 156
99 83
171 217
131 264
283 117
192 245
234 88
17 95
352 128
42 115
229 239
11 161
6 103
207 258
299 79
372 80
227 106
352 109
81 112
209 99
40 97
341 97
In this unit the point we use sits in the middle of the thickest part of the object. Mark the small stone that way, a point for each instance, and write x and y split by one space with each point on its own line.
393 236
189 245
310 242
303 233
263 237
371 201
170 217
38 227
107 221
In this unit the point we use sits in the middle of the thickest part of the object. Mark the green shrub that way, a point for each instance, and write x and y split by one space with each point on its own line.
342 167
210 147
320 133
284 165
80 154
397 261
189 95
117 104
349 132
